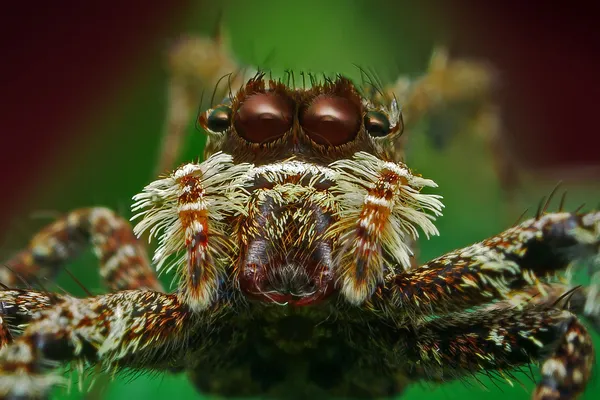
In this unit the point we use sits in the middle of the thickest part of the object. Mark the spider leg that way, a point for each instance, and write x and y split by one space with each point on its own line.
187 210
17 307
456 95
459 345
123 264
127 329
196 64
448 82
532 253
580 300
381 207
123 261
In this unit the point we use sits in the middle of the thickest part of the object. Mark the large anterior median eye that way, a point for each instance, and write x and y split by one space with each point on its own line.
331 120
263 117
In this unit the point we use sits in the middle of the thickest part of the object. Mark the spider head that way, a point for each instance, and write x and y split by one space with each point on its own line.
267 121
298 199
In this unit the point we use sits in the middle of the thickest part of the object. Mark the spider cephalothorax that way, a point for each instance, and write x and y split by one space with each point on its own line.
293 244
300 199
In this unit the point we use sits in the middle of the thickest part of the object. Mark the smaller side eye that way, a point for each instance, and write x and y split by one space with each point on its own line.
377 124
216 120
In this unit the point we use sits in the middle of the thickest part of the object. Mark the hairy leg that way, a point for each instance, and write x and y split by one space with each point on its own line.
127 329
580 300
381 210
17 307
448 82
123 261
187 210
464 344
530 254
456 95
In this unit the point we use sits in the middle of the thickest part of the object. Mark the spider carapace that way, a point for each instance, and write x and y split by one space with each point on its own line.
293 243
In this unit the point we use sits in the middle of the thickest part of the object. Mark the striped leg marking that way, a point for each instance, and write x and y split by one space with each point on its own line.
123 261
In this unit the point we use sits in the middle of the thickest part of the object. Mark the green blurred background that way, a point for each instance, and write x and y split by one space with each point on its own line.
112 154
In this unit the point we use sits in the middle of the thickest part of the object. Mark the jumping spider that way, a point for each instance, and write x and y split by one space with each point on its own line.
293 242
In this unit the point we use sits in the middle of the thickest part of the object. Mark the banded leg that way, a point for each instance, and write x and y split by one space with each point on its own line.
530 254
464 344
123 261
381 208
582 301
17 307
190 207
130 329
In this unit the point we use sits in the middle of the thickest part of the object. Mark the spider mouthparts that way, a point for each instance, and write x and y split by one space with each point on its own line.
288 284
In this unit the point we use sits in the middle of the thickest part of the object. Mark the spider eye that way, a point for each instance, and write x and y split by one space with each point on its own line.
218 119
331 120
264 117
377 124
